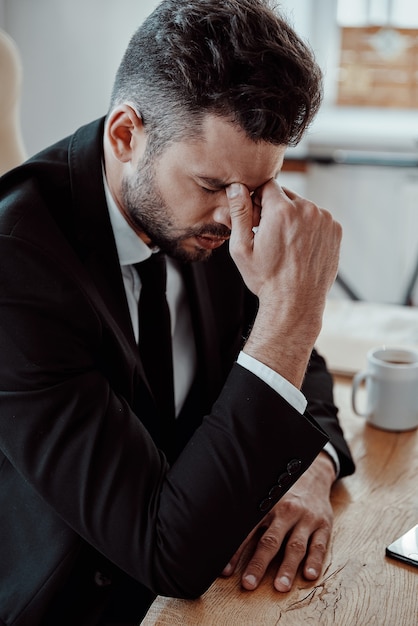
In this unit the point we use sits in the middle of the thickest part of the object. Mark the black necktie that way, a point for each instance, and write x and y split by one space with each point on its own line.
155 344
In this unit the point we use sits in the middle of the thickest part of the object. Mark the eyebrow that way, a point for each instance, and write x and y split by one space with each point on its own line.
218 183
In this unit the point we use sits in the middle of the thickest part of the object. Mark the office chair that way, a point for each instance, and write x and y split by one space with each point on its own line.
12 150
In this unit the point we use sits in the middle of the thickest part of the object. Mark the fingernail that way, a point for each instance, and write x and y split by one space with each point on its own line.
250 580
227 570
312 572
285 582
233 190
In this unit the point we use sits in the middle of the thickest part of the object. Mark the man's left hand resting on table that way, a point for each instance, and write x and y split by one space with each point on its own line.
300 523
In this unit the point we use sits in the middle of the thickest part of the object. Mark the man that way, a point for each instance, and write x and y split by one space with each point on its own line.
94 520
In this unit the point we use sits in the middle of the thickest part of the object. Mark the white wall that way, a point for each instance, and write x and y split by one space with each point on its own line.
70 51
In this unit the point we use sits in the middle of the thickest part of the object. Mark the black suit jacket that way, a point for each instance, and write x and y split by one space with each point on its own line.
86 495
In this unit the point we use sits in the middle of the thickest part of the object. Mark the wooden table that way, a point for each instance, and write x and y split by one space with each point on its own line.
359 586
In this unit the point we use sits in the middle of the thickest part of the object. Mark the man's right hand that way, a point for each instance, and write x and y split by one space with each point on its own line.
290 263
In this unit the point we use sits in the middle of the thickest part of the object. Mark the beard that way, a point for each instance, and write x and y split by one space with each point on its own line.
151 215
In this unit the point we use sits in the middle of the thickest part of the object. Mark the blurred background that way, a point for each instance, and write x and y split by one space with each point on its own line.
359 159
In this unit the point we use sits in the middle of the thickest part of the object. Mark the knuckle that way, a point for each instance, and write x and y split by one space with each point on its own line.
291 507
237 246
269 542
306 208
319 547
237 208
338 230
311 207
239 249
310 519
297 545
256 567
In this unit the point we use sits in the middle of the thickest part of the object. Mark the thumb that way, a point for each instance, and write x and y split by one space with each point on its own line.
241 213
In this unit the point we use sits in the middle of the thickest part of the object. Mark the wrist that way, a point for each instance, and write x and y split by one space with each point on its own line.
326 466
284 347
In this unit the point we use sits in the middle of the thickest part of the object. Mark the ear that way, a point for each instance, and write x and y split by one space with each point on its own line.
125 133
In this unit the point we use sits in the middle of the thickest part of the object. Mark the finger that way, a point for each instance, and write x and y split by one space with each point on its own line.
256 200
304 204
316 553
232 565
277 204
268 200
292 195
267 548
272 190
241 211
295 552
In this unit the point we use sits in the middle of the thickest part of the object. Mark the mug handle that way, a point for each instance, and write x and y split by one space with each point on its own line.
358 379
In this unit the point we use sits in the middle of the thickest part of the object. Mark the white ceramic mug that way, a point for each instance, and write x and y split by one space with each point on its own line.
391 378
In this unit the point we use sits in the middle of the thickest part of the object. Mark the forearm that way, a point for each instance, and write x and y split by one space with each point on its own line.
289 263
284 346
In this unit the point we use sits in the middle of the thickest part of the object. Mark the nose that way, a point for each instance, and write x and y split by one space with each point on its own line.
222 214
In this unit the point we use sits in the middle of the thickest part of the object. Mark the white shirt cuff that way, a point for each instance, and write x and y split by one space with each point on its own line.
289 392
330 450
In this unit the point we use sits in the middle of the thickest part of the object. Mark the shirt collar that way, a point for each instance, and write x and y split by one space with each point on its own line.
131 249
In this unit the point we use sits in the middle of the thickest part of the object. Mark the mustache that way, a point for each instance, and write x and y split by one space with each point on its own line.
213 230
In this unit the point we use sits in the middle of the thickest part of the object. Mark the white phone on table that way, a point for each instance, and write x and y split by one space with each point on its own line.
405 548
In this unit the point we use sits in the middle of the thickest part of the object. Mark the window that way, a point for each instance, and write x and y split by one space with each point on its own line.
378 53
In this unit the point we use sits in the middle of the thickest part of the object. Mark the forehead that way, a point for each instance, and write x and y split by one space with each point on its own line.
222 151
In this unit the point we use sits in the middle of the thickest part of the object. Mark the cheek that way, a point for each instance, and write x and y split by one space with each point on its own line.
187 203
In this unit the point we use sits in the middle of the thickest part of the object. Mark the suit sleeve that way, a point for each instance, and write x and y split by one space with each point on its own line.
318 390
74 438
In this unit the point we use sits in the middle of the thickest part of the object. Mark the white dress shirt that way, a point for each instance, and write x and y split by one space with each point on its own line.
131 250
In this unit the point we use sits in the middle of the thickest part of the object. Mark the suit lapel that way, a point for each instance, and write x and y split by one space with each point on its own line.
99 256
95 235
96 244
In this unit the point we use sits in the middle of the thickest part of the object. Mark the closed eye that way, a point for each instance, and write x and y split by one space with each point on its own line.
209 184
207 190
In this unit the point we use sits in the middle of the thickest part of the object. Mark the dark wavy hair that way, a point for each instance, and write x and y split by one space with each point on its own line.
238 59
